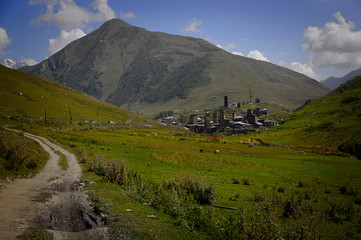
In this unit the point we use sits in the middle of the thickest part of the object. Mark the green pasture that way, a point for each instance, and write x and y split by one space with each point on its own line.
242 174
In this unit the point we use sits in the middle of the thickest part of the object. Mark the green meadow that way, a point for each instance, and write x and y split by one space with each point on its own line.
306 195
153 182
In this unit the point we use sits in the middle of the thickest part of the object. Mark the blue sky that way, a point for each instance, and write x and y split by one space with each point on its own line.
316 37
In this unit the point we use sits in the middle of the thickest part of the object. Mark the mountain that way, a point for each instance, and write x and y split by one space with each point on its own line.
152 72
333 82
26 98
330 121
10 63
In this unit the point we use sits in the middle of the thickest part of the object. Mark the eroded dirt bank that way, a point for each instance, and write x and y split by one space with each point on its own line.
65 210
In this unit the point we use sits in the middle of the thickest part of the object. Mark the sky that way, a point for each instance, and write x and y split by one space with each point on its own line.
318 38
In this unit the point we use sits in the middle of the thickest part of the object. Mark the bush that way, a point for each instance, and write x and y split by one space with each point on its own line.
349 189
340 210
351 145
247 181
12 149
292 207
113 170
281 189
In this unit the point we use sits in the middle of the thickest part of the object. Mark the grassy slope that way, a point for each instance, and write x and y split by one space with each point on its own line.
39 94
327 121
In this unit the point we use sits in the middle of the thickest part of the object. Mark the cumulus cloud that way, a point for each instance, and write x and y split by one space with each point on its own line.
67 15
128 15
257 55
336 44
28 61
238 53
4 40
227 47
304 68
193 26
55 44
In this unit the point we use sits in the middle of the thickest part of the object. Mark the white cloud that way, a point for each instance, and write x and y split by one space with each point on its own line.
28 61
227 47
104 11
4 40
282 63
128 15
55 44
193 26
257 55
336 44
67 15
238 53
305 69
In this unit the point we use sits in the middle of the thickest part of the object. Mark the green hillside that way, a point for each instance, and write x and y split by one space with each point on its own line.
152 72
331 121
25 97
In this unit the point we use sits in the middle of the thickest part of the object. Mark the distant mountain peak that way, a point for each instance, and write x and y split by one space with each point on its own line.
10 63
151 72
333 82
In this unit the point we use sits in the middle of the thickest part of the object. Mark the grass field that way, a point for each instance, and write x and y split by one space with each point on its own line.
310 193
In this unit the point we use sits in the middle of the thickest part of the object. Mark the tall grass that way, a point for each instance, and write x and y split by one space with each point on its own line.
183 196
19 155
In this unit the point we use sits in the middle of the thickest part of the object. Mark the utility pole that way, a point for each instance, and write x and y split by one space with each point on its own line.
45 117
71 119
250 94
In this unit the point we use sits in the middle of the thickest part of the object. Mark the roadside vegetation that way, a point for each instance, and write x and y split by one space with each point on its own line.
19 156
63 162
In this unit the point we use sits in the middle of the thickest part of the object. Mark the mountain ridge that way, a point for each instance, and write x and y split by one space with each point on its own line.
151 72
333 82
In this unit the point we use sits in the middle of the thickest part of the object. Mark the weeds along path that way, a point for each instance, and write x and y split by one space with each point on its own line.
52 200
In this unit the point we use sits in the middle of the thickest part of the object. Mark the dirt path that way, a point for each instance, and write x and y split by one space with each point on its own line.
66 213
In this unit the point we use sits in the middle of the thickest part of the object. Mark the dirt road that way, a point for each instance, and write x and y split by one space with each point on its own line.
66 212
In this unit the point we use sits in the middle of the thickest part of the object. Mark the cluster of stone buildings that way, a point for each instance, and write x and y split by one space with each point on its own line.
220 122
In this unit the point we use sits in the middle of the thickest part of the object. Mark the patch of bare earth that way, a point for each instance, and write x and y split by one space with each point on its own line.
52 200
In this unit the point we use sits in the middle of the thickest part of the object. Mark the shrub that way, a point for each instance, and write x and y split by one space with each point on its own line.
115 171
281 189
351 145
202 193
349 189
247 181
17 152
291 207
340 210
235 181
258 196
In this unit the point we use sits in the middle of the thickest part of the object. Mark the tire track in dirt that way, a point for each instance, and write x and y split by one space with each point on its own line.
67 213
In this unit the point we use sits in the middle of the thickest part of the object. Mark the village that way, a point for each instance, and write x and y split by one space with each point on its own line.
225 118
